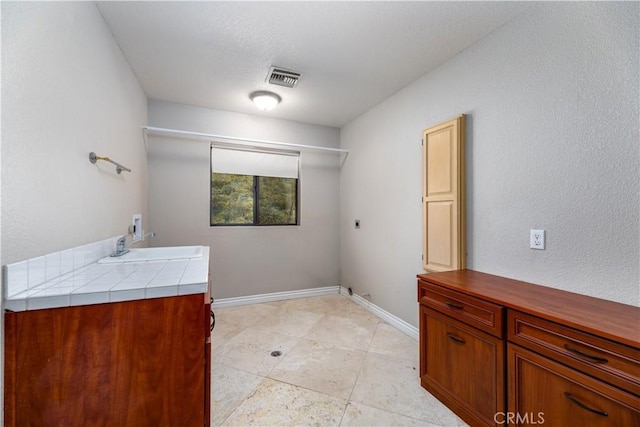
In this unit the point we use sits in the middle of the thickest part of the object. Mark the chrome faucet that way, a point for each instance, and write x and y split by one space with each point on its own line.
151 234
121 244
121 247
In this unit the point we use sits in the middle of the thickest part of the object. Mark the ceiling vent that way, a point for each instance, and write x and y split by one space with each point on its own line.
283 77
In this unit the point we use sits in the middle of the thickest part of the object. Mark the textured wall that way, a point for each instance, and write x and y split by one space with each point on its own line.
553 143
244 260
66 91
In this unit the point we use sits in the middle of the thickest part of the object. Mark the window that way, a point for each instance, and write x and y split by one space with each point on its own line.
253 187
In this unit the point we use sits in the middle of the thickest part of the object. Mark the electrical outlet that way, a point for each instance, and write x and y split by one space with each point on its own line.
137 227
536 239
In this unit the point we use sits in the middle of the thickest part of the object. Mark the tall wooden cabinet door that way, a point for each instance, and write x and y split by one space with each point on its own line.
542 391
462 366
443 198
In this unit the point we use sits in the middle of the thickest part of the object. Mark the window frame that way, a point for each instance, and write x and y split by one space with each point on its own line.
256 204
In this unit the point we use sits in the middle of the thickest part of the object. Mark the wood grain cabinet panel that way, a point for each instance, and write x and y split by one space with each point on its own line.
569 360
478 313
614 363
133 363
542 391
462 366
443 196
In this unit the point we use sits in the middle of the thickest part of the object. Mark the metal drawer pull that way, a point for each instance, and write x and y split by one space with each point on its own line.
583 406
583 354
455 338
453 306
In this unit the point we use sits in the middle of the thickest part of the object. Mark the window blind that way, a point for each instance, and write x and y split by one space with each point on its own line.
254 162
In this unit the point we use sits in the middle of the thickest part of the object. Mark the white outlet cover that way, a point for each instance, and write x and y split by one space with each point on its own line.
137 226
537 239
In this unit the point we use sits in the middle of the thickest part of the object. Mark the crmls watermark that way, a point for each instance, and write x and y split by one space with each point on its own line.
518 418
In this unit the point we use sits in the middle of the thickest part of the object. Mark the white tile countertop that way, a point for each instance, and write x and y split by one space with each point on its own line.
97 283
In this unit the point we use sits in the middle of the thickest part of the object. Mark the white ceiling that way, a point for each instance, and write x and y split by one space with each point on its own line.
352 55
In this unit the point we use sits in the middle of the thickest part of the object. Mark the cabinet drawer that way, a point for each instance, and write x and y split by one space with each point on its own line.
478 313
545 392
462 366
612 362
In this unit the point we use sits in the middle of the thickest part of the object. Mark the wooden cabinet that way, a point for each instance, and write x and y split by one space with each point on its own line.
443 196
543 391
613 363
462 366
133 363
475 312
569 376
462 352
568 359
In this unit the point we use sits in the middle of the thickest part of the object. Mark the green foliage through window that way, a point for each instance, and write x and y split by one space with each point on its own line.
253 200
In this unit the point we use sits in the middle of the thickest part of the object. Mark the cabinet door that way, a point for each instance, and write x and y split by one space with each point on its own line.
462 366
542 391
134 363
444 196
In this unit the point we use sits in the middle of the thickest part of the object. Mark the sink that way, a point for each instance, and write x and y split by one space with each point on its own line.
155 254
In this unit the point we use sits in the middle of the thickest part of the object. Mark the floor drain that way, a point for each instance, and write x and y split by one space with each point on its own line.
276 353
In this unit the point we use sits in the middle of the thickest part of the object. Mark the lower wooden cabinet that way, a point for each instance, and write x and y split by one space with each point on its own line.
462 366
133 363
497 351
542 391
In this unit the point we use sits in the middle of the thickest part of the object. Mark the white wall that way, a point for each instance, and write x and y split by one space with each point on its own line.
552 143
244 260
67 90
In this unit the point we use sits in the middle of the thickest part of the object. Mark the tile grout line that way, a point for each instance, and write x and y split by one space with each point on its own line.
253 392
305 337
369 351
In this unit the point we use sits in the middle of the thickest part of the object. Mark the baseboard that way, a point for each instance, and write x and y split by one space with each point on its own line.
275 296
394 321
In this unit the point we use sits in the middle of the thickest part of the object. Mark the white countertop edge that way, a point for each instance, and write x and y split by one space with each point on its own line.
186 284
89 298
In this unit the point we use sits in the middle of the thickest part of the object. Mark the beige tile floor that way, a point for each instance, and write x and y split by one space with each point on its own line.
340 366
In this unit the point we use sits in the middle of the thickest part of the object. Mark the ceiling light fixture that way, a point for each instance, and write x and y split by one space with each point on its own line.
265 100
